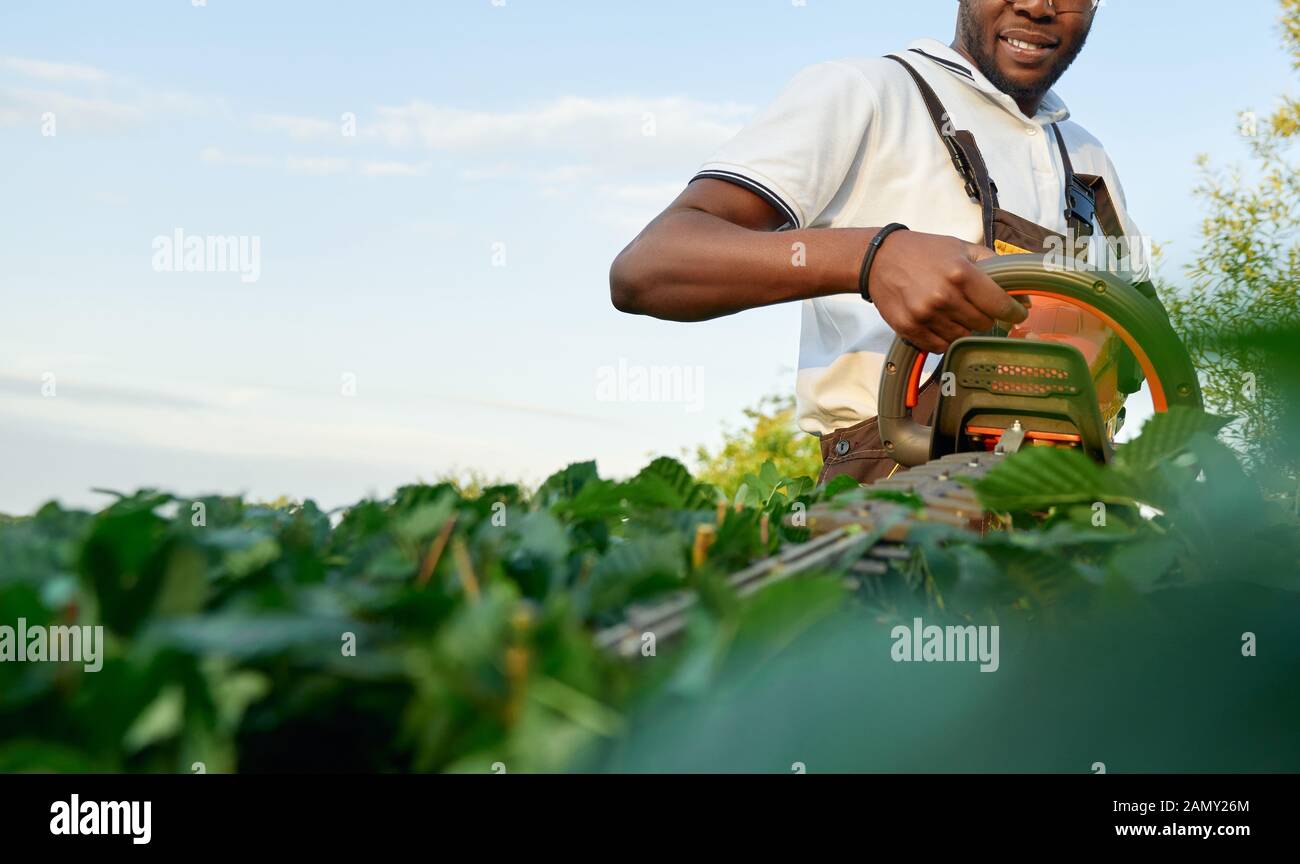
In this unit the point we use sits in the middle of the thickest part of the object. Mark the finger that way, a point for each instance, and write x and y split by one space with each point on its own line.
988 297
928 341
950 331
979 253
969 317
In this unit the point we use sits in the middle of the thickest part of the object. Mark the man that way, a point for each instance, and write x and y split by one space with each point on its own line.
789 209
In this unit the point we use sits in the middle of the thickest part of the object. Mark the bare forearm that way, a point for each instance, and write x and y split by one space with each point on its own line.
690 266
715 252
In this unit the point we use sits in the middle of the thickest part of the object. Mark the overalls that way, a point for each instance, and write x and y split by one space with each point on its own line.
857 451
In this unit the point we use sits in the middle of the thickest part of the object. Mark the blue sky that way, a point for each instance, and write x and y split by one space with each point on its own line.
486 135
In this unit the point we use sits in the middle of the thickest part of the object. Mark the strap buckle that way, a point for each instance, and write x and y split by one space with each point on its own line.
962 164
1080 205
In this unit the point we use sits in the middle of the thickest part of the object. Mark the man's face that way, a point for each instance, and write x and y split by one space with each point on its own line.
1022 46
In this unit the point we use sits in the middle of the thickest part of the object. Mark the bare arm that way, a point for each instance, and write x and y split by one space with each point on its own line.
715 251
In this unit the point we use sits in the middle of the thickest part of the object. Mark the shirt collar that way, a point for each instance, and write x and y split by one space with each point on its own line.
1051 110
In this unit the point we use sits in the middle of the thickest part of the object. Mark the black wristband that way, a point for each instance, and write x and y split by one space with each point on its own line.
870 258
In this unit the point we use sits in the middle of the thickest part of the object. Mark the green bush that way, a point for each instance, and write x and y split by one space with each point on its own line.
441 632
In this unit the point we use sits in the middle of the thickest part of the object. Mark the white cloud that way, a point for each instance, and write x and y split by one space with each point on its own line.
21 104
628 207
114 107
215 156
498 171
319 165
564 175
395 169
266 421
622 134
300 128
316 165
50 71
643 133
569 144
654 195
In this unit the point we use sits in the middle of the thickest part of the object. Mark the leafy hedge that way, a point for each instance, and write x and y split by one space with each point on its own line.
438 632
429 631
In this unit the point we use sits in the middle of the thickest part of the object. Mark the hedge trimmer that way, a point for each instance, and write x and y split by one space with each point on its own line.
1058 379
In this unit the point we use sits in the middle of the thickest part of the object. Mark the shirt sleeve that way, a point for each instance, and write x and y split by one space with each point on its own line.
797 153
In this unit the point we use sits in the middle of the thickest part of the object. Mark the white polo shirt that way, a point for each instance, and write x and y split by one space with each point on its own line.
849 144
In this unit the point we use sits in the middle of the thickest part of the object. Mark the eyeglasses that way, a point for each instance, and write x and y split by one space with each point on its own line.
1071 6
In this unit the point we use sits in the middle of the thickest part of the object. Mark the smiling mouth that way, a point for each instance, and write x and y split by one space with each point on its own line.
1025 50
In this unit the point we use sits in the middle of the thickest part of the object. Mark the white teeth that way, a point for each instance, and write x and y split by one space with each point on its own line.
1024 46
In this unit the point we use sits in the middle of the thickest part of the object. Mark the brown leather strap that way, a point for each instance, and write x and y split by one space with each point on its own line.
938 114
1104 204
1065 152
965 153
1086 196
1107 214
988 196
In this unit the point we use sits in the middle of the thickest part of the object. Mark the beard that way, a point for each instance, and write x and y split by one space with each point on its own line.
987 64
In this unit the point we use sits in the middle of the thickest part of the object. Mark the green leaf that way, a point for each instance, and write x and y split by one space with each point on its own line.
26 755
1165 436
797 486
599 499
124 559
541 538
839 485
637 568
423 522
245 636
1040 478
666 483
567 483
1143 565
185 587
161 720
908 499
576 706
